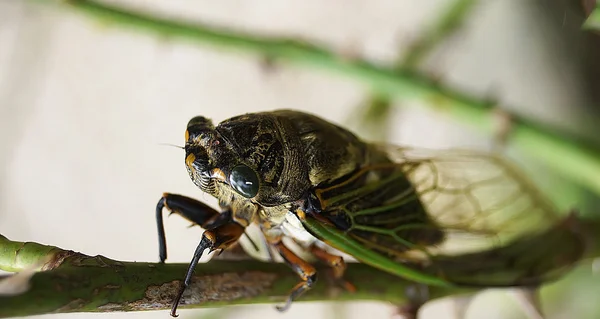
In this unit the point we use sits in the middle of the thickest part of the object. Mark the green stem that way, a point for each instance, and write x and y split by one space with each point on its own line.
375 115
73 282
568 157
447 24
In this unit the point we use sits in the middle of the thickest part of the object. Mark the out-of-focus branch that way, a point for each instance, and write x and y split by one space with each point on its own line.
375 113
572 158
74 282
449 22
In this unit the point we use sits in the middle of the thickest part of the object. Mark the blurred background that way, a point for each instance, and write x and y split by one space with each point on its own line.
86 105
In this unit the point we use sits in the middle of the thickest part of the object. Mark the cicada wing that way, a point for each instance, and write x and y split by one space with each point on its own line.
499 230
479 199
452 213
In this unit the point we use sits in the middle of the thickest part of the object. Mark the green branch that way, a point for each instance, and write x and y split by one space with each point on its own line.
68 281
74 282
447 24
374 116
568 157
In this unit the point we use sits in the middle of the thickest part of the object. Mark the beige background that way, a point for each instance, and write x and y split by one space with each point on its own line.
84 107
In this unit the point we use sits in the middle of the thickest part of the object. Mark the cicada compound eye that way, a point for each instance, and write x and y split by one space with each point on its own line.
244 180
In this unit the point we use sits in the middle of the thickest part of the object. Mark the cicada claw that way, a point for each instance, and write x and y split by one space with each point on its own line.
304 270
298 290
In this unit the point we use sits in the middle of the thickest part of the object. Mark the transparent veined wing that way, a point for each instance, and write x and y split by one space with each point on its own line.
479 199
468 216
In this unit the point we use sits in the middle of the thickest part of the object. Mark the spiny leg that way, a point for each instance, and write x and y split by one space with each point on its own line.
337 264
196 212
220 237
303 269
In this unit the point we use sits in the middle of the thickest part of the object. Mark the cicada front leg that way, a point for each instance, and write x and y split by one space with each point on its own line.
221 236
196 212
221 231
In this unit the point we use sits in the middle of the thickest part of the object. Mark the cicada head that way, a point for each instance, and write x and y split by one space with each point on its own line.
205 154
214 164
255 156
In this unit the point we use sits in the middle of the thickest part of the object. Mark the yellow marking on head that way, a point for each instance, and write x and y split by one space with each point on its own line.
187 135
189 160
218 174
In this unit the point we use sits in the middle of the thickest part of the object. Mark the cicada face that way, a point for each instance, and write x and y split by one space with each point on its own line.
206 160
252 158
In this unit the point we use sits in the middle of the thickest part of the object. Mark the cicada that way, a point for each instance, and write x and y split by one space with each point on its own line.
434 217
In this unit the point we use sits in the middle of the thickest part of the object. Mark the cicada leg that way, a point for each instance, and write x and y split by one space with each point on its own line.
219 237
303 269
196 212
337 264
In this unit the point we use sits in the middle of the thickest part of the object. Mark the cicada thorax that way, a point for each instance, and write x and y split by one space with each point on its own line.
378 206
269 145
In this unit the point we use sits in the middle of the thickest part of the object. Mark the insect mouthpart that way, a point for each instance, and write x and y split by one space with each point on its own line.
197 163
202 179
206 183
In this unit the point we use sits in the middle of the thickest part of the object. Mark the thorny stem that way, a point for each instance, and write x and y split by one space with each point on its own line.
74 282
569 157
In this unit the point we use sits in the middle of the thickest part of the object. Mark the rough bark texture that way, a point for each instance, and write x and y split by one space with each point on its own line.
74 282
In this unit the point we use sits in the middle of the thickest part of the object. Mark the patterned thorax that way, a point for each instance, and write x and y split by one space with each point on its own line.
289 151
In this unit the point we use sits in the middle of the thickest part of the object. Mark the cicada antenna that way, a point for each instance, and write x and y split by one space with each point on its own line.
173 145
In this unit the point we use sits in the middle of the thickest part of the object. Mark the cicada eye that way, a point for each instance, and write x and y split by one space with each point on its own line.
244 180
